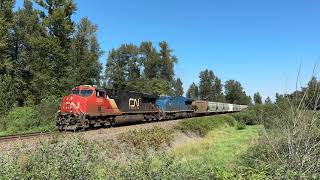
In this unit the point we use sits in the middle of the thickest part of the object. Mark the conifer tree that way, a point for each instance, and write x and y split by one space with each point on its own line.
167 62
257 98
193 91
178 87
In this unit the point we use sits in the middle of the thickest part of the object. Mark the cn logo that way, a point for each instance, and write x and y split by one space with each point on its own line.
134 103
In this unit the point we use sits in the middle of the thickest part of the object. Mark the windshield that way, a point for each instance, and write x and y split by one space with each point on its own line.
85 93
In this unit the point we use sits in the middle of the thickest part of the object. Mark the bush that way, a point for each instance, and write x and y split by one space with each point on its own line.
21 119
153 138
254 115
289 147
47 109
32 118
201 126
158 166
240 126
81 159
75 159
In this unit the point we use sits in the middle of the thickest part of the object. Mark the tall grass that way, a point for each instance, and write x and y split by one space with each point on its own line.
78 158
289 147
201 126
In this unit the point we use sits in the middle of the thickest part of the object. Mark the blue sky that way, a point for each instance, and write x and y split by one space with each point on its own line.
259 43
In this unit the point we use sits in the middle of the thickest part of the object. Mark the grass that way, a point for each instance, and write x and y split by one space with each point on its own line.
212 155
220 148
144 139
48 128
202 125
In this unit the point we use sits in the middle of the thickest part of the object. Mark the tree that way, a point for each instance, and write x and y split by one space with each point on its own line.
313 94
217 90
178 89
210 87
150 59
206 85
54 47
117 66
167 62
193 91
6 22
257 98
235 93
268 100
86 49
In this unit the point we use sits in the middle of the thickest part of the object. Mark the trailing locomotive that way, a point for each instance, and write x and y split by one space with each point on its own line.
90 106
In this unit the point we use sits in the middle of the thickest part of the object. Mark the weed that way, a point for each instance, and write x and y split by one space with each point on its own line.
201 126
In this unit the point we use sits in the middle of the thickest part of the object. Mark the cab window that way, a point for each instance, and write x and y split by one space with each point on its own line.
84 93
100 93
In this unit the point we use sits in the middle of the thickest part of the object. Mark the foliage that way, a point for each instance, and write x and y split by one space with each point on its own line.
240 125
78 158
193 91
74 159
86 54
221 150
235 93
43 52
258 114
20 119
201 126
159 166
257 98
210 87
289 147
167 62
136 68
268 101
32 118
178 89
144 139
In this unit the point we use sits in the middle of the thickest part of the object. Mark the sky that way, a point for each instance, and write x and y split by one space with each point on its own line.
263 44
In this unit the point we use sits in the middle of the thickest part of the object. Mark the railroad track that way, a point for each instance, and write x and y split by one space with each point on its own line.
24 136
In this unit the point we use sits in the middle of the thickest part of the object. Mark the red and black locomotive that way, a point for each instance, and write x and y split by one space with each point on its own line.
89 106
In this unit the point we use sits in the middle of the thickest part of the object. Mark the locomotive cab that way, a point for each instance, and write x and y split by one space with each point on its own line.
86 106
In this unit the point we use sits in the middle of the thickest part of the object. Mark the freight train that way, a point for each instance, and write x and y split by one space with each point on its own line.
89 106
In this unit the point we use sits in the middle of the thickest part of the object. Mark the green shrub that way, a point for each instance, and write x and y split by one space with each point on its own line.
143 139
158 166
21 119
80 159
76 159
47 109
32 118
202 125
258 114
240 126
289 146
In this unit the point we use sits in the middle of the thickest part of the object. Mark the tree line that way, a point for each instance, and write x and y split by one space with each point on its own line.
307 97
44 53
143 68
211 88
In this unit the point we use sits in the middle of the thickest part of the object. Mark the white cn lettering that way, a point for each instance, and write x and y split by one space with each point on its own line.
73 105
134 103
